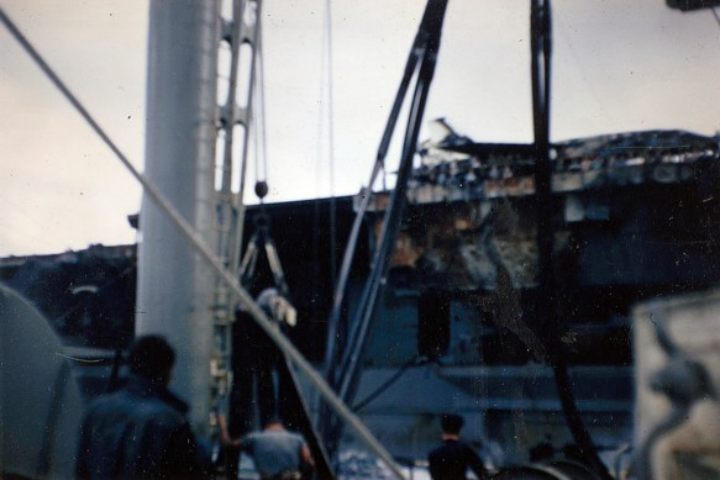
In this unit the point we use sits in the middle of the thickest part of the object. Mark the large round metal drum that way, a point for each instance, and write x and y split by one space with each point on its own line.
40 404
556 470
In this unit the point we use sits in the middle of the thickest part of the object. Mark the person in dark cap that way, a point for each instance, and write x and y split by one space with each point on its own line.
452 459
140 431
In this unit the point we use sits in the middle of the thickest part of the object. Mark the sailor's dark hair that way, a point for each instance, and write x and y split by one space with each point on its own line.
451 423
273 419
151 356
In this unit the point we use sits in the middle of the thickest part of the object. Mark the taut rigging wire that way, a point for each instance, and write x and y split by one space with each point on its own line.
263 115
328 76
260 137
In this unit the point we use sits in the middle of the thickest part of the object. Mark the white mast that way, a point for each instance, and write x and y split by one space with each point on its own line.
175 286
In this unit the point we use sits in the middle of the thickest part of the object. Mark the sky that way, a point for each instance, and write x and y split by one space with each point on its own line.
617 66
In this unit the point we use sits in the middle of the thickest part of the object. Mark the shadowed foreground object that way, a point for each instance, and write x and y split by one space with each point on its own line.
40 404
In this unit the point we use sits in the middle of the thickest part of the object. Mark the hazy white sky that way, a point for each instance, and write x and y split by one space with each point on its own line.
618 66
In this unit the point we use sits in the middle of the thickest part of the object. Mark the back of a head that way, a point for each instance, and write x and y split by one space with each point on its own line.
274 420
451 423
151 356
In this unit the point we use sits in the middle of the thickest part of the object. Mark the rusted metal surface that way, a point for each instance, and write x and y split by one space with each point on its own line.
471 212
488 171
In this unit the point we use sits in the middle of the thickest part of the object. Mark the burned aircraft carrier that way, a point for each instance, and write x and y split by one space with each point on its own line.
503 282
636 219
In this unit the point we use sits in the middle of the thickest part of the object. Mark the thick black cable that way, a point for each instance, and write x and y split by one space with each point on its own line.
541 52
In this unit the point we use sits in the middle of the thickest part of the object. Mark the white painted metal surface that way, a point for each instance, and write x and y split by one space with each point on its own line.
40 404
175 285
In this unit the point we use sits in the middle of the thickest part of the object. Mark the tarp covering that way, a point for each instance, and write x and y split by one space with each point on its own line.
40 404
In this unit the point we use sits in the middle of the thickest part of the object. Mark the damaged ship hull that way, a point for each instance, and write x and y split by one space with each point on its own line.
636 218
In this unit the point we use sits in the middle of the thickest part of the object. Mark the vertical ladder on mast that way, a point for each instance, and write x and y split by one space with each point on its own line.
244 29
240 28
296 409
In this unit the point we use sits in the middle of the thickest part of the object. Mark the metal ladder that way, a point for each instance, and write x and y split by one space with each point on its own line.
243 28
240 27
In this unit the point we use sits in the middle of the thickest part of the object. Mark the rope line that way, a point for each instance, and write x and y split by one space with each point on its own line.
331 140
330 95
416 361
260 137
206 252
256 129
263 116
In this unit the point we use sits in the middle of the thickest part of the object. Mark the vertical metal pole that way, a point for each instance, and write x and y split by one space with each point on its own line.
175 285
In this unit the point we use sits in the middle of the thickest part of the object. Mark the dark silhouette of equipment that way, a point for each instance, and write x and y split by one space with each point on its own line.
256 358
688 5
433 338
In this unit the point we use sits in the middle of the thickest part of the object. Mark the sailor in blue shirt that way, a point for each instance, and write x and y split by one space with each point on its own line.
140 431
278 454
